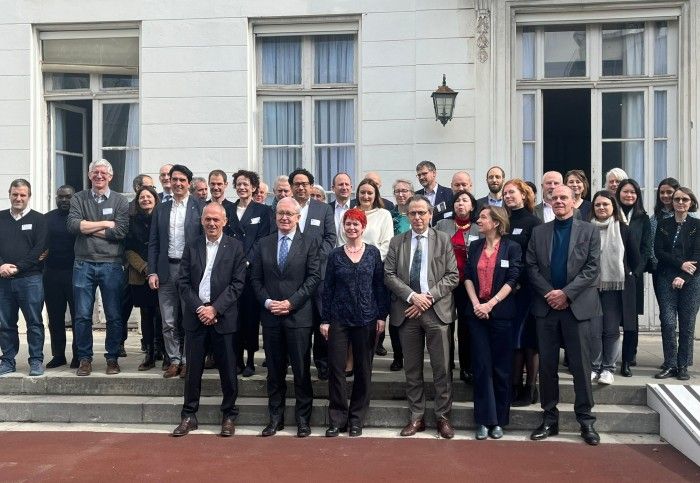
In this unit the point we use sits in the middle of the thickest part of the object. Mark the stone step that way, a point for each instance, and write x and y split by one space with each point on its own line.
385 386
253 411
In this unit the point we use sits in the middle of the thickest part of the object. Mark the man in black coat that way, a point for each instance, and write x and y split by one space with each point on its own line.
211 278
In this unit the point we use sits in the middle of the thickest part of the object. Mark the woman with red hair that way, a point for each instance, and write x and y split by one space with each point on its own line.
355 307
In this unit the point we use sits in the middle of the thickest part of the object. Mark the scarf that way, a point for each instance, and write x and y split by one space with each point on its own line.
626 213
612 253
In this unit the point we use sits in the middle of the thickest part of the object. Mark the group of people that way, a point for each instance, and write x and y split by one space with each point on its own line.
327 280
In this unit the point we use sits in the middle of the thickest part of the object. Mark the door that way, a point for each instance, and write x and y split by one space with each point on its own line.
69 146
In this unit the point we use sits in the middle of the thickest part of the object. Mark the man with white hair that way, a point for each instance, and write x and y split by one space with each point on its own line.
281 189
99 218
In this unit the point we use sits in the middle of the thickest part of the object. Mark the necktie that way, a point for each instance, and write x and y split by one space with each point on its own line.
284 251
167 197
414 274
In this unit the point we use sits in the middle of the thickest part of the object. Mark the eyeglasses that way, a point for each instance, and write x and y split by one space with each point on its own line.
401 192
681 200
422 174
301 185
417 213
282 214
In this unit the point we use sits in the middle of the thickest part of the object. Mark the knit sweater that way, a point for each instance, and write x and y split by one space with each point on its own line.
22 242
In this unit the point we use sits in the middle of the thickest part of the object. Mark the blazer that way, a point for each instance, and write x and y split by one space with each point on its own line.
539 212
670 263
160 234
582 269
296 283
443 194
320 226
227 280
443 276
254 225
504 274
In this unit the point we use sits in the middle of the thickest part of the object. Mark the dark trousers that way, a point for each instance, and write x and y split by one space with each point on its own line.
463 315
151 327
492 363
224 352
127 306
557 327
58 292
630 340
284 344
320 347
362 341
249 324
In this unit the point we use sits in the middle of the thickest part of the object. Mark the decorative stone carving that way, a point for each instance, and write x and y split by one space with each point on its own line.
483 25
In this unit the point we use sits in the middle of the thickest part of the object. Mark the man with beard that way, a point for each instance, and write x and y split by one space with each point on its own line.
495 177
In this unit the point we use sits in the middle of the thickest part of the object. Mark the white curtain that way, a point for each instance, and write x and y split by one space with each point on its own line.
660 131
660 49
528 60
281 60
335 124
60 160
633 51
335 59
529 136
131 161
281 127
633 127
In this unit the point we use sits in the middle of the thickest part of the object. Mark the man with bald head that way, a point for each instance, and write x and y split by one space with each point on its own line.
164 178
550 180
461 181
210 282
565 286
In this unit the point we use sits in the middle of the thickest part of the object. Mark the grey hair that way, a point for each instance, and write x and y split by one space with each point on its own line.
101 162
405 181
618 173
280 179
322 190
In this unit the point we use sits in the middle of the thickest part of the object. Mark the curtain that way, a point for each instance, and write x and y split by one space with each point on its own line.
282 128
335 59
335 124
529 137
660 49
60 160
633 51
131 162
660 131
281 60
633 127
528 43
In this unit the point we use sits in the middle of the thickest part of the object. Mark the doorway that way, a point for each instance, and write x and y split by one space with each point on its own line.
566 130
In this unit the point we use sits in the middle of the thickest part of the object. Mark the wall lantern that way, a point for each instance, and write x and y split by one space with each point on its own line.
444 102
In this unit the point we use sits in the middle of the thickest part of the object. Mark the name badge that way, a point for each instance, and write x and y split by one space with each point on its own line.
517 231
28 226
473 238
448 214
441 207
107 211
505 264
255 221
315 222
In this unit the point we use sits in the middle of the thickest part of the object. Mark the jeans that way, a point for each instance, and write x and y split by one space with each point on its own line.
25 294
87 276
682 305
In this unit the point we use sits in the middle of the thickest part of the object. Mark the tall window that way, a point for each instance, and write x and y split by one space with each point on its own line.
307 103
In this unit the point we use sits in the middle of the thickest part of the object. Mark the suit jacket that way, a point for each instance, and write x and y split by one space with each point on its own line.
539 212
296 283
582 269
227 280
320 226
504 273
160 234
254 225
443 276
443 194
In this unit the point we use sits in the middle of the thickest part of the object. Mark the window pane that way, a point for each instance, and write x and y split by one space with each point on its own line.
660 114
120 125
628 155
281 60
111 81
70 81
529 161
527 39
334 59
335 122
528 117
623 115
330 161
69 131
623 49
565 51
125 164
282 123
69 170
660 160
279 161
661 48
105 52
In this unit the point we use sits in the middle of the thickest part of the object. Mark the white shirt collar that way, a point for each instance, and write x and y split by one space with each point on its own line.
105 194
414 234
22 213
184 200
289 235
215 242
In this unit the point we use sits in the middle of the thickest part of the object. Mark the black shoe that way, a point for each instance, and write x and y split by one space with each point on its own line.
56 362
74 363
334 431
466 376
397 365
349 373
544 431
239 370
122 351
625 370
264 363
523 396
322 374
590 435
683 374
380 350
666 373
158 354
272 428
355 431
633 363
303 430
248 371
143 345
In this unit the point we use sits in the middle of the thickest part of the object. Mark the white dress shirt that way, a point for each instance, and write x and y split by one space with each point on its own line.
176 230
547 212
304 214
338 215
425 260
205 283
21 214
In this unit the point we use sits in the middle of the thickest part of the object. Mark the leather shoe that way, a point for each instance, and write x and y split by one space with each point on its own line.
589 434
56 362
74 363
334 431
466 376
248 371
85 368
397 365
445 429
682 374
496 432
355 431
625 370
271 429
380 351
183 371
544 431
303 430
186 425
228 427
666 373
172 371
112 367
209 362
413 427
482 432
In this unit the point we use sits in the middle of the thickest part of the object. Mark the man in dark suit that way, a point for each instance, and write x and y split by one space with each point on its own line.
563 266
495 177
164 178
211 278
420 270
440 197
316 222
342 189
286 272
176 223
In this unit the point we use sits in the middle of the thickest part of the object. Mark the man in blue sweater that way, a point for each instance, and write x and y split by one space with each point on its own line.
22 241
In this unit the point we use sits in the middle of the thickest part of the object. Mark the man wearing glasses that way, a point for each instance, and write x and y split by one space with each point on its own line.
440 197
421 271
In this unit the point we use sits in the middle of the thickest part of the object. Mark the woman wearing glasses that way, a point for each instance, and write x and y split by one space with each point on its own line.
677 248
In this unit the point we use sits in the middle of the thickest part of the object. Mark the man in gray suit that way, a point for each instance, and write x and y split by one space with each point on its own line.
563 265
420 270
176 223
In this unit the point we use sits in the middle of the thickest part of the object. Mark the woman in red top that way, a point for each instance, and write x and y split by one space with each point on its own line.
493 267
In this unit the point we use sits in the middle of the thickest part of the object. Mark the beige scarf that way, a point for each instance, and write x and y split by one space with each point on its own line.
612 254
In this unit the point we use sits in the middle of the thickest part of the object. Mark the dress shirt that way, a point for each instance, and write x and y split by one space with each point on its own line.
339 212
167 196
289 235
240 211
176 229
99 198
547 212
304 213
21 214
494 201
430 194
205 284
425 260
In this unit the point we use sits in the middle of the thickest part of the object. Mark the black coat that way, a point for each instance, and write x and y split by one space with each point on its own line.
670 261
640 226
630 295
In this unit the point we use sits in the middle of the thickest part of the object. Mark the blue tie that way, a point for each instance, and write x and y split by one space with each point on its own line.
284 251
